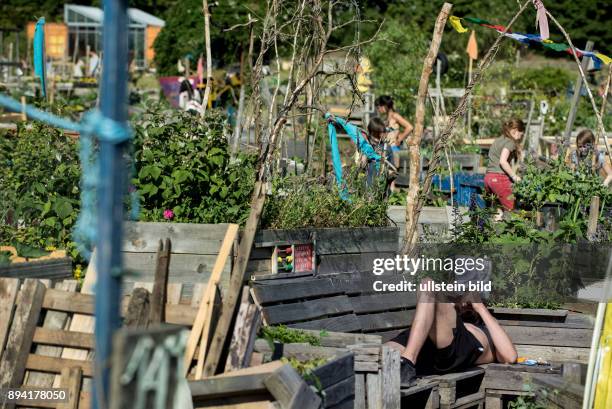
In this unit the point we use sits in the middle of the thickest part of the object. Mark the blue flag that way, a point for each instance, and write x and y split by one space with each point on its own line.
39 54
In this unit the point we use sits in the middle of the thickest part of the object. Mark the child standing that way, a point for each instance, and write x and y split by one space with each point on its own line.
500 176
394 122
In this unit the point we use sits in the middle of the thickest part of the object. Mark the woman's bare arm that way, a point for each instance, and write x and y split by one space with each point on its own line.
505 165
608 171
404 124
505 352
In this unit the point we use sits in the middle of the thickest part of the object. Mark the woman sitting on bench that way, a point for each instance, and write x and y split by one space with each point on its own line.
450 337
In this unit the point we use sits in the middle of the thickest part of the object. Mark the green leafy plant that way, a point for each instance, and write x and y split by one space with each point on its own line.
39 187
524 402
184 172
301 202
281 333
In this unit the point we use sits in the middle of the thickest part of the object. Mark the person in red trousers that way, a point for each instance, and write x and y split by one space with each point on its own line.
500 176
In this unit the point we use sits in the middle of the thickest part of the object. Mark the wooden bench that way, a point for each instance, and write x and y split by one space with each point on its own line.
346 302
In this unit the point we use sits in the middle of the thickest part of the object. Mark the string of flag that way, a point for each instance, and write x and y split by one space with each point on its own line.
598 58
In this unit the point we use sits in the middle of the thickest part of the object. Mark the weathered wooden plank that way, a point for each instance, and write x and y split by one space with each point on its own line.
19 342
55 365
333 371
61 338
569 337
232 294
202 326
228 386
194 268
373 392
386 320
243 339
307 310
56 269
294 290
514 380
8 294
342 339
339 392
336 240
187 238
360 391
390 377
59 300
71 379
553 353
529 312
343 323
301 351
382 302
290 390
349 263
366 283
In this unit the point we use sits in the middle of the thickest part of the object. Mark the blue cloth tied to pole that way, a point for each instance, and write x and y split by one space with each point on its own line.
357 137
39 54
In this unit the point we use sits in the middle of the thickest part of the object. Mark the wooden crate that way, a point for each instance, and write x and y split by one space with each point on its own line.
194 250
41 342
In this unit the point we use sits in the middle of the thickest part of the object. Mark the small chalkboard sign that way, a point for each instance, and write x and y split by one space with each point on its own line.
147 367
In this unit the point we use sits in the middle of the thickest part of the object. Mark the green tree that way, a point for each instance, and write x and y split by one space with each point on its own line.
397 60
183 33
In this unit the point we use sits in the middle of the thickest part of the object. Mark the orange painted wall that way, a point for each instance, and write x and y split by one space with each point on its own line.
151 35
56 38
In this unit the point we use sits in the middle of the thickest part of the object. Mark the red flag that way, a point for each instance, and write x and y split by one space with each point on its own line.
472 46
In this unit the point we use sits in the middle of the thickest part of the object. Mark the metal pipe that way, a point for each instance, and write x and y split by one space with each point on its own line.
112 186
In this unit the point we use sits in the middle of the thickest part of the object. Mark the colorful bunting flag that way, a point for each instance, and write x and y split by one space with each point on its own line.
598 58
456 23
541 19
472 46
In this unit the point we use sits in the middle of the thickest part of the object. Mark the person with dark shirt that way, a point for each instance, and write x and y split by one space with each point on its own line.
450 337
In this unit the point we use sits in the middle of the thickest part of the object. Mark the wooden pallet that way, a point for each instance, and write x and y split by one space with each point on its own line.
272 385
36 331
339 302
461 390
425 394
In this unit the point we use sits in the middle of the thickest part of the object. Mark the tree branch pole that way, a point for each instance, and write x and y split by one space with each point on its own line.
415 142
409 238
600 125
571 116
209 77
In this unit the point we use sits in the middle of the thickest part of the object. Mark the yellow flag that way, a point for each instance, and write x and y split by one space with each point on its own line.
456 23
606 60
472 46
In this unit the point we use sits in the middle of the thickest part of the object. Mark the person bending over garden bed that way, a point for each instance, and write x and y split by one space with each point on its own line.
450 337
585 148
500 176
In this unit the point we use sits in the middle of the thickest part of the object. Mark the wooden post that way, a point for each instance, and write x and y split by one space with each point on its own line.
469 113
593 216
415 141
158 295
571 116
208 56
236 282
